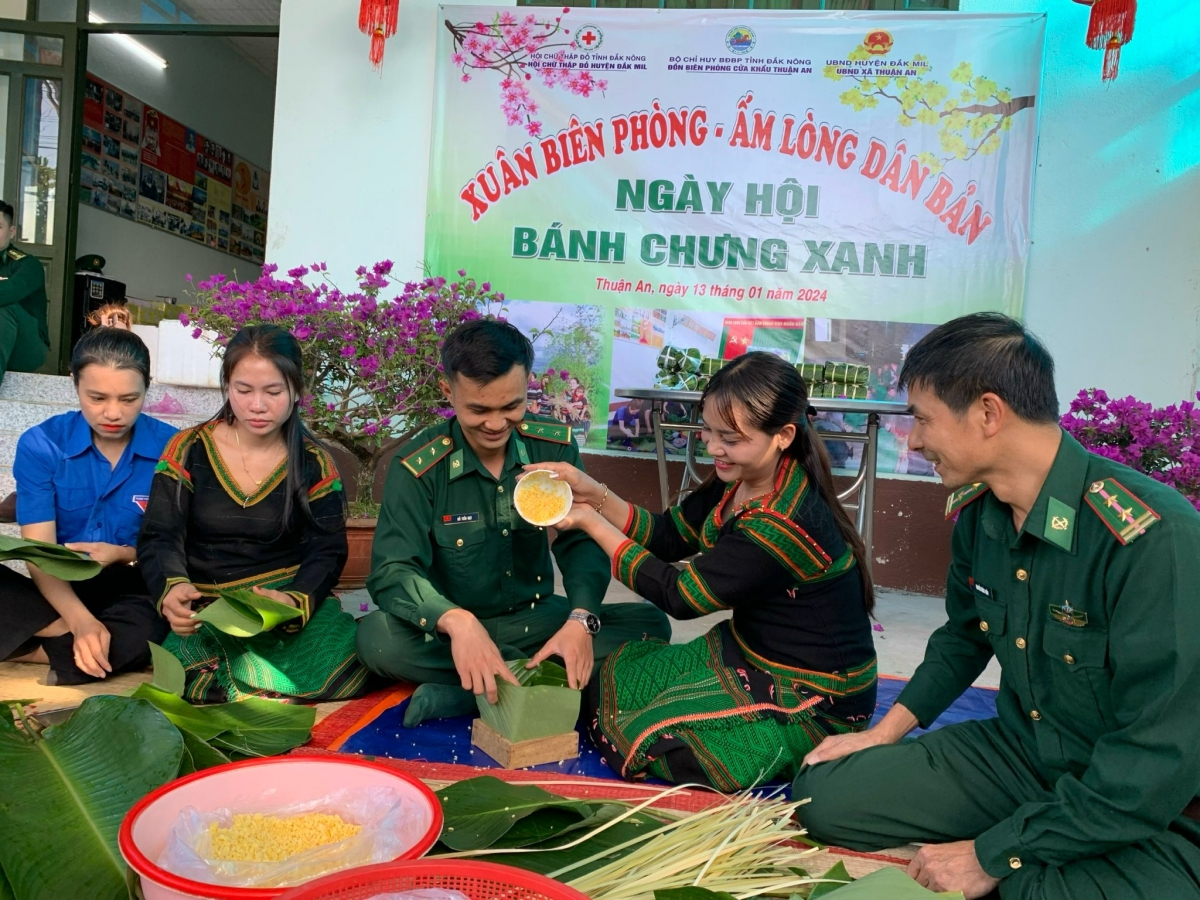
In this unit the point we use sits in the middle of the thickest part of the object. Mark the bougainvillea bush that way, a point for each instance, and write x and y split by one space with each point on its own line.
1163 443
372 360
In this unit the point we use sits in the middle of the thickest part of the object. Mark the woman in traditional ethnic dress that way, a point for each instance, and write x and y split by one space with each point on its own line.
82 479
251 500
744 703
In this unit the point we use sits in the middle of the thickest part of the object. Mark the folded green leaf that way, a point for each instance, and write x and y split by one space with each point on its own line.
168 671
53 559
889 883
64 793
243 613
6 891
837 874
480 811
196 720
198 755
541 707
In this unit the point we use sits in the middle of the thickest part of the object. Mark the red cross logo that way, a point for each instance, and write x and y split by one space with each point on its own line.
589 38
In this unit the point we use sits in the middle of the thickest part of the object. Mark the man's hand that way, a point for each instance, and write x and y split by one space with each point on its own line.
105 554
896 724
476 656
952 867
177 609
573 645
91 646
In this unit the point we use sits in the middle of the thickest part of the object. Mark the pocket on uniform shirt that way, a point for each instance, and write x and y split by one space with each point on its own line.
459 550
992 615
1078 665
74 499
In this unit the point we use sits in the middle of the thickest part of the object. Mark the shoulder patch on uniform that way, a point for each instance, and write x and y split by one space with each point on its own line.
546 431
424 459
1120 510
15 254
963 496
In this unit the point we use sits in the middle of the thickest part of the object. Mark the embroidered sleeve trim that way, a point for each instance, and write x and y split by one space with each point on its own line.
171 582
171 463
787 542
640 527
690 535
305 607
330 480
696 593
627 561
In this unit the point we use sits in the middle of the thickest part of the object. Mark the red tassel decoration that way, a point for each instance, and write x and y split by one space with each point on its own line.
1109 29
378 18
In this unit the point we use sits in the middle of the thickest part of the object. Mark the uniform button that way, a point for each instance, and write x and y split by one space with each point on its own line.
539 578
1068 659
537 596
1014 862
983 626
1022 574
1020 643
1035 715
458 543
500 488
422 623
504 533
508 574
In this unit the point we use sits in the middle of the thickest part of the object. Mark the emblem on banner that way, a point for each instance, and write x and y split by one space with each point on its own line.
740 39
588 38
877 43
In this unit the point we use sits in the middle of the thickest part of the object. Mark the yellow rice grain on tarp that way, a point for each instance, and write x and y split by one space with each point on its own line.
537 504
255 837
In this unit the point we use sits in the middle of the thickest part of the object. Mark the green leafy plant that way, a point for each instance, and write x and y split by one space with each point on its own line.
243 613
64 791
541 707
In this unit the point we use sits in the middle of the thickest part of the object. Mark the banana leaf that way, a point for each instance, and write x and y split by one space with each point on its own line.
6 891
198 755
890 883
691 893
480 811
53 559
542 706
837 874
168 671
64 792
244 614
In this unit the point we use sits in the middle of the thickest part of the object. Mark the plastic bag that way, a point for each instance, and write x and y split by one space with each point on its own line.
423 894
391 824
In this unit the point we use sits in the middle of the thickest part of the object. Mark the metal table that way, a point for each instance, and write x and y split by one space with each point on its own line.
863 488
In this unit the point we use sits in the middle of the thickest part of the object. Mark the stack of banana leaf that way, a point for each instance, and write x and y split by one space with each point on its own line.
685 369
835 380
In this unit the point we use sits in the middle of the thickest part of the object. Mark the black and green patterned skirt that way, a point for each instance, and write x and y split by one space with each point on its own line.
317 662
712 712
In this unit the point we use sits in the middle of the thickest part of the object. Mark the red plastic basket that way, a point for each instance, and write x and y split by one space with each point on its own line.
478 880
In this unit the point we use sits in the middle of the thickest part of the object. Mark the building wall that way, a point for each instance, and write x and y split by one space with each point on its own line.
208 87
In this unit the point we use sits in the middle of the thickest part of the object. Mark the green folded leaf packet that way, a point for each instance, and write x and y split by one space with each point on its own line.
243 613
541 707
53 559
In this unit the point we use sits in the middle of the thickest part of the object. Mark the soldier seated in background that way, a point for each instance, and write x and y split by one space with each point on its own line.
24 336
462 582
1079 575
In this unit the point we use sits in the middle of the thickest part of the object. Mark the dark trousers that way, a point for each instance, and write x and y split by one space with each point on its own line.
117 597
396 650
21 347
955 783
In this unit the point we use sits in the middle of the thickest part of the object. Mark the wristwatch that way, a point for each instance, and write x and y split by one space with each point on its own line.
590 622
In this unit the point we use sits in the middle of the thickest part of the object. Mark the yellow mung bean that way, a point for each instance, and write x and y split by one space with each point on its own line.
254 837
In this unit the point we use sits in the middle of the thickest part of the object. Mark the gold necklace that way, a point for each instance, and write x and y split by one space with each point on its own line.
258 482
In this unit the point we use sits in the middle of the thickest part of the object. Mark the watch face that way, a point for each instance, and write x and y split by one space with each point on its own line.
592 623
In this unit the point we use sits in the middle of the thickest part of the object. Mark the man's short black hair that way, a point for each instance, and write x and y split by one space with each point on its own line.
486 349
10 216
987 352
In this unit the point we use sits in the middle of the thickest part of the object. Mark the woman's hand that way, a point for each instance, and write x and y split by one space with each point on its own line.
105 554
91 646
177 609
581 516
584 488
277 596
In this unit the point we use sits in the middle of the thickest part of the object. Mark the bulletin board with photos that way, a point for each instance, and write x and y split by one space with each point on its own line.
140 164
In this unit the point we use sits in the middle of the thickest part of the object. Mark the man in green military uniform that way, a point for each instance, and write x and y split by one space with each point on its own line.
461 580
24 336
1080 575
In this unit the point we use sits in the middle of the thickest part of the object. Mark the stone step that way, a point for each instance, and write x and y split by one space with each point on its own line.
59 390
16 417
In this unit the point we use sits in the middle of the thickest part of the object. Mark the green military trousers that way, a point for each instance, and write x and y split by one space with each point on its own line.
955 783
21 347
394 649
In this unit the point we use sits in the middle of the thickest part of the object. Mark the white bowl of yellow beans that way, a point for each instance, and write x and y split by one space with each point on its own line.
542 500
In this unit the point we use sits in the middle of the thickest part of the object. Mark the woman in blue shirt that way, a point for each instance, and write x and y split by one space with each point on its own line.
83 480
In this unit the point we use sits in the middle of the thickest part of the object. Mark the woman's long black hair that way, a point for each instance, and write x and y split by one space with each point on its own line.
280 348
769 393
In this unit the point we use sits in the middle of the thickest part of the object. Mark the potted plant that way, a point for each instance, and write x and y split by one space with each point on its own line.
1163 443
372 361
